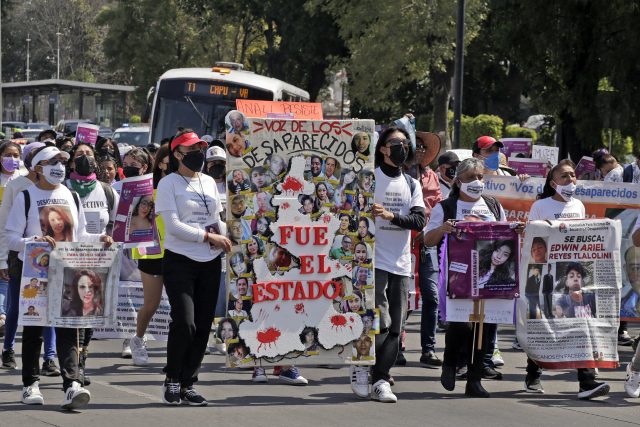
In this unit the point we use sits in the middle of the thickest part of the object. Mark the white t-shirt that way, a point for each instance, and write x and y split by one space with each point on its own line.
615 175
62 219
96 209
392 242
471 211
13 187
184 197
549 208
6 178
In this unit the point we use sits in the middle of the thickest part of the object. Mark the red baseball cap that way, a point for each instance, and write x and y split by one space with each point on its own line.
187 140
486 142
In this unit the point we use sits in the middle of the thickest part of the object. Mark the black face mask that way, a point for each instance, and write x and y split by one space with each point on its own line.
130 171
84 166
193 160
216 171
110 151
450 173
398 154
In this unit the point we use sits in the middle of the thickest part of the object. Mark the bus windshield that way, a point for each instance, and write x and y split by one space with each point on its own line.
197 104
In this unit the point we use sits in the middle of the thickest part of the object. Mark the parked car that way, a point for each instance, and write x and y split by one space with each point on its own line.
66 127
31 134
105 132
137 136
40 126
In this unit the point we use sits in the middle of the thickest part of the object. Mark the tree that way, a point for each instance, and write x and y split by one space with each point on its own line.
399 45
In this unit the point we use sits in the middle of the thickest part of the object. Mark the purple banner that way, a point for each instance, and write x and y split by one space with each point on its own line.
482 261
530 167
514 146
135 224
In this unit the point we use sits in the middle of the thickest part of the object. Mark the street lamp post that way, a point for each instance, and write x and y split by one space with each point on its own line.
58 34
28 42
459 64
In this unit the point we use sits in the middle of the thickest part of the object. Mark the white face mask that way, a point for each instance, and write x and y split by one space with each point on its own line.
472 189
54 174
566 191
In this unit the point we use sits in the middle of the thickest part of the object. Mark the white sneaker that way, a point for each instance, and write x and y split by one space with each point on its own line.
138 348
259 376
497 358
31 395
632 382
359 378
75 397
381 391
126 349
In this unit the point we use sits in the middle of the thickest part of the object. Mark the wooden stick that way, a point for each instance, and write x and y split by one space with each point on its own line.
481 322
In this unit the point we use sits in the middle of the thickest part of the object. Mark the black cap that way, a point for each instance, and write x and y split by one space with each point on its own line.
448 158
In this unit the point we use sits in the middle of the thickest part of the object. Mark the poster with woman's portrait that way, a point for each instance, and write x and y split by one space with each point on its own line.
83 285
135 224
56 221
34 285
482 260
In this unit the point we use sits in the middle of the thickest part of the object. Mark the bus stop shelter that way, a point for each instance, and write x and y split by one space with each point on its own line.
49 101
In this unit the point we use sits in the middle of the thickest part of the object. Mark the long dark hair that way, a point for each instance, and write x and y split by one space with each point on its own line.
162 152
548 190
96 284
101 142
384 136
502 273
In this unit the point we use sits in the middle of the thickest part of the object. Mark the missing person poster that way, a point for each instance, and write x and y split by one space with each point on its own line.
135 224
300 274
570 279
483 261
83 284
34 285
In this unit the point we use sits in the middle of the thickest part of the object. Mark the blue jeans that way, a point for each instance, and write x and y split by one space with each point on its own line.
492 338
428 275
11 325
4 288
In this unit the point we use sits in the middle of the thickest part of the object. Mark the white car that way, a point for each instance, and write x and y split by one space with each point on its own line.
137 136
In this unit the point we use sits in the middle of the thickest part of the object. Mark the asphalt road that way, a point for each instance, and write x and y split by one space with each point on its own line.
124 395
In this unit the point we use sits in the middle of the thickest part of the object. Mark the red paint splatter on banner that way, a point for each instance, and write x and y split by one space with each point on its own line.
299 308
338 321
268 337
292 184
326 219
285 205
277 307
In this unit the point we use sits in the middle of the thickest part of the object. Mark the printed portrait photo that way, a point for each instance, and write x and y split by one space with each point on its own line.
142 214
56 221
573 297
84 292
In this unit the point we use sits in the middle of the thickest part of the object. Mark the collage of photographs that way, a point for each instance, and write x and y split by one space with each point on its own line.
338 190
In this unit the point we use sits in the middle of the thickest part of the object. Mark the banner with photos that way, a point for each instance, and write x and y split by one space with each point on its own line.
570 281
74 285
612 200
300 273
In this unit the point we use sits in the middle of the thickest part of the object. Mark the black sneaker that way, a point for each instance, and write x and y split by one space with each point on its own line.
624 339
191 397
430 360
50 369
400 359
491 374
171 392
532 384
9 359
461 373
593 389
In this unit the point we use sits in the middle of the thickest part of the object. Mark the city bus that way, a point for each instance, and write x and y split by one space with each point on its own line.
200 98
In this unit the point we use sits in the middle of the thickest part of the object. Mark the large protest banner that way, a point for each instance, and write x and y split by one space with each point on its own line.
74 285
569 315
135 224
300 275
601 200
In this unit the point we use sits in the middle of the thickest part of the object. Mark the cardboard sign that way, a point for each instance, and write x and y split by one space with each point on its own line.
273 109
87 133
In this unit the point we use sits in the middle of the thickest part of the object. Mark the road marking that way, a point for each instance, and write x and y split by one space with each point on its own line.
127 390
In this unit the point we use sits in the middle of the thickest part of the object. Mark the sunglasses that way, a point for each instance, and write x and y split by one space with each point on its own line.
54 162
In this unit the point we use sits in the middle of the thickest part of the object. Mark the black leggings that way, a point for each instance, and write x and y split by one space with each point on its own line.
67 340
460 338
192 289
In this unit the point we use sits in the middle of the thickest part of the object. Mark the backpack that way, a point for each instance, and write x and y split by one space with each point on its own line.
627 174
108 192
410 182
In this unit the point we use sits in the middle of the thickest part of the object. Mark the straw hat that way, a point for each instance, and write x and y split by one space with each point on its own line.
431 142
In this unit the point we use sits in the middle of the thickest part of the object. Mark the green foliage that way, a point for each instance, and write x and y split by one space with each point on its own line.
135 119
471 128
515 131
621 146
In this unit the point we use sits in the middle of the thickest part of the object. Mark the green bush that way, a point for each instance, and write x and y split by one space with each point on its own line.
485 124
621 147
135 119
515 131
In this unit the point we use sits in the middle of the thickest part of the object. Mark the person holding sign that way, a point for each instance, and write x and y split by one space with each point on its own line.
398 208
49 194
465 202
554 203
189 204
